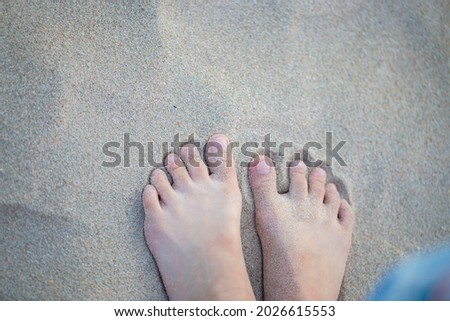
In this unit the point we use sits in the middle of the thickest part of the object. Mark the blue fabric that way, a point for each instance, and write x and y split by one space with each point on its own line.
421 278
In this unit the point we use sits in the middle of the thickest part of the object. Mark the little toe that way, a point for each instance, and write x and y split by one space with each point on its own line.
263 181
346 215
298 183
150 199
161 183
193 161
177 169
219 156
332 198
317 180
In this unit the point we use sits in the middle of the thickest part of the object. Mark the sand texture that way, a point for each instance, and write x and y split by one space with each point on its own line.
374 73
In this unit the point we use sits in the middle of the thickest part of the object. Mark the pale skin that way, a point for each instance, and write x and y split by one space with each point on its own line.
192 228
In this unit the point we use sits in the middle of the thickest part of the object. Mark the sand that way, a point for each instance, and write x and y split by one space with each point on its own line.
75 77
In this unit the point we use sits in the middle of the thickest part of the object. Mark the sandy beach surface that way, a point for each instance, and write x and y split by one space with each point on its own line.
75 77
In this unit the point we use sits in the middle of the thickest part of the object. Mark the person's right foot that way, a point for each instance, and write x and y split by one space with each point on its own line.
305 233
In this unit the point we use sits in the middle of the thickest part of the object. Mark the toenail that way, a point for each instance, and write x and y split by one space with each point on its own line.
300 166
155 172
320 172
173 161
331 186
262 167
222 141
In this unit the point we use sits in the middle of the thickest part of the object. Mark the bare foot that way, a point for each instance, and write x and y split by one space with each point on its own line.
193 227
305 233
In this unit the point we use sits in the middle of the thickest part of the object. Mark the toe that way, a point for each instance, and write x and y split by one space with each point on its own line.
298 185
193 161
177 169
263 181
317 180
332 198
346 215
219 156
150 199
162 185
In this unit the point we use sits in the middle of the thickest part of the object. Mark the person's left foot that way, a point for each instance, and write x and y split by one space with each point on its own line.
193 226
